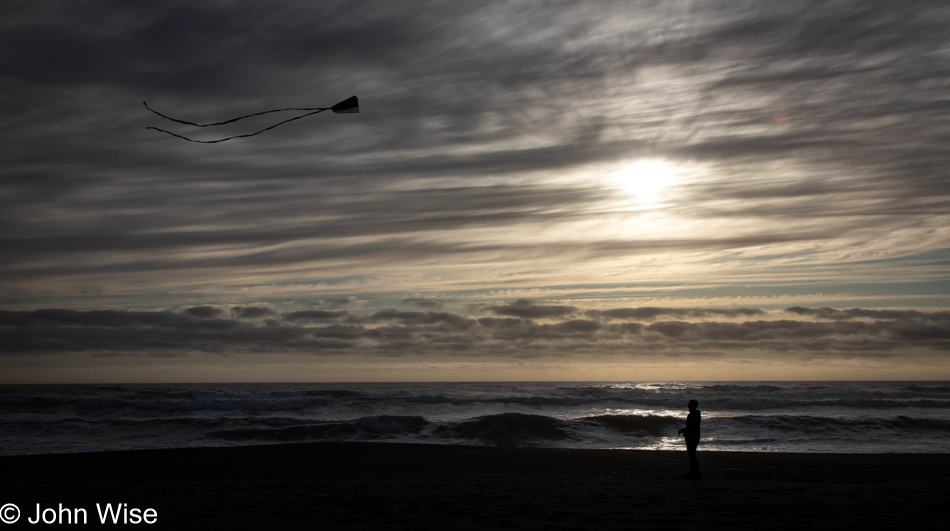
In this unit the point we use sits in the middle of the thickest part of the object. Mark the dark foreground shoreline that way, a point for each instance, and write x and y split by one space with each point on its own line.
405 486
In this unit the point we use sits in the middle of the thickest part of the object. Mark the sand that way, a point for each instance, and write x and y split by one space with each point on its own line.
400 486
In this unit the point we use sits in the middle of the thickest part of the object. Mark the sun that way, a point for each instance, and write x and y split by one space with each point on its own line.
645 179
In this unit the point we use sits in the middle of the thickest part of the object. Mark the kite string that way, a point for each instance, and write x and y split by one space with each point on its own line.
319 110
232 119
387 142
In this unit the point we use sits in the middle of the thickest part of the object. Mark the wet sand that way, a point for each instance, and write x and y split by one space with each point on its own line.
400 486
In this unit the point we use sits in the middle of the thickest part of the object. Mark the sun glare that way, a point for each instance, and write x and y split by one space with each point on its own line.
645 179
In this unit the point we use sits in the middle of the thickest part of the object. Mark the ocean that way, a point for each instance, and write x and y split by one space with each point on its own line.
829 417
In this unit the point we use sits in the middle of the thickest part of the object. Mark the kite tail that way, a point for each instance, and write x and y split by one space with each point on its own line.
315 110
232 120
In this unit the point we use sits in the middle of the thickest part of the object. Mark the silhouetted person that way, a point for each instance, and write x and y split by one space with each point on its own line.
691 432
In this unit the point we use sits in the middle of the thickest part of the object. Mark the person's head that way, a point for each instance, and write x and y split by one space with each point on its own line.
692 404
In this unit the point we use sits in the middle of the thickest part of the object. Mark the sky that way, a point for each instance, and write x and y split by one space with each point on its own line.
532 190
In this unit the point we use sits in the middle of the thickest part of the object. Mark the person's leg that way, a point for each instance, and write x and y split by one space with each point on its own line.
693 461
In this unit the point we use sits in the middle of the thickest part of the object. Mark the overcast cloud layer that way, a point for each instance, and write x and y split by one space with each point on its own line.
397 332
572 179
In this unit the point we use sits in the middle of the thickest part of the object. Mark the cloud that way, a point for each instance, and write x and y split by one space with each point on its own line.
422 302
252 312
303 303
649 313
573 327
508 322
203 312
424 318
858 313
340 302
528 309
443 334
103 318
306 316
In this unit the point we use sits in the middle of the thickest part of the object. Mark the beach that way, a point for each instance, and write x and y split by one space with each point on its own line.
347 485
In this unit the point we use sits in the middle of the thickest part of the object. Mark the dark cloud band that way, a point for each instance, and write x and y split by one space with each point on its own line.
202 329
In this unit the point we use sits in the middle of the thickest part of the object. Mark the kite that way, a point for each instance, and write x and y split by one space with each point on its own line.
347 106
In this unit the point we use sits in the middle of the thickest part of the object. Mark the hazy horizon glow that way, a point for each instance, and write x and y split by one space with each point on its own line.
570 168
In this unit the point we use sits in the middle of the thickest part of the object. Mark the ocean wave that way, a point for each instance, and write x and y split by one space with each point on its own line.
652 425
764 397
532 400
814 424
763 416
363 428
336 393
928 390
29 403
164 402
508 429
157 394
222 403
719 397
597 393
735 388
758 404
